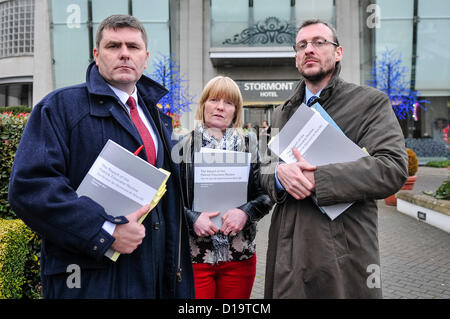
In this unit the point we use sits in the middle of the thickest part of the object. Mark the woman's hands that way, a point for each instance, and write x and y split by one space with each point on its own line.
203 226
233 221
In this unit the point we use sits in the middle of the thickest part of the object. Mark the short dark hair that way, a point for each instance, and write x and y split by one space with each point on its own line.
318 21
118 21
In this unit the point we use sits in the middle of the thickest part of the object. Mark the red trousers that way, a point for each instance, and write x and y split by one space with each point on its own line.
225 280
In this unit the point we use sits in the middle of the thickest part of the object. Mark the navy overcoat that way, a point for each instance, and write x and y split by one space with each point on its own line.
65 133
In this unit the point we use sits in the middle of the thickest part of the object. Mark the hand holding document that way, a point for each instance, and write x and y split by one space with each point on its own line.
130 235
297 177
319 142
123 183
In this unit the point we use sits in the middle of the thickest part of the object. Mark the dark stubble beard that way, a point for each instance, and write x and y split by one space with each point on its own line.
314 78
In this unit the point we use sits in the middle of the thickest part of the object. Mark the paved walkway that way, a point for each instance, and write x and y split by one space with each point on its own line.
415 257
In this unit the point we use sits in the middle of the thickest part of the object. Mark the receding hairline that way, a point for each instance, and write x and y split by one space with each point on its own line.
119 21
309 22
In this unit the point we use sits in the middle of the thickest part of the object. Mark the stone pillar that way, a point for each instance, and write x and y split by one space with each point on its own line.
43 82
191 52
347 26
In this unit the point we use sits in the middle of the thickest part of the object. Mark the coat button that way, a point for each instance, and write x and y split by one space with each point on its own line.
94 248
101 101
102 240
156 226
117 220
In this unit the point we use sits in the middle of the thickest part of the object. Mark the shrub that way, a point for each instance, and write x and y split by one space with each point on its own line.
427 147
438 164
443 192
32 286
413 163
14 238
17 109
11 129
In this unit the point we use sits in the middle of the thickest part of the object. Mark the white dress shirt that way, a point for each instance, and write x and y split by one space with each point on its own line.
123 96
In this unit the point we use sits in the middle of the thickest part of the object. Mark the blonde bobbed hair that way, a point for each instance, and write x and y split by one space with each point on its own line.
218 87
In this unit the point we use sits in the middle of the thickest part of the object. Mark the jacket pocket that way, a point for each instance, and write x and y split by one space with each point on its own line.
57 261
339 238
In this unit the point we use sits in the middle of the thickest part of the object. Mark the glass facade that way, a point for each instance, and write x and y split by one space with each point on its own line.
70 41
16 28
415 31
433 47
244 23
75 23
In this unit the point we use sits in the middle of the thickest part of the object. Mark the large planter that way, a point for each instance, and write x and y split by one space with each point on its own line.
391 200
409 185
427 209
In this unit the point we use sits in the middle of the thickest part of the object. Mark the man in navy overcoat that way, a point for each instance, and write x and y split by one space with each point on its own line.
64 135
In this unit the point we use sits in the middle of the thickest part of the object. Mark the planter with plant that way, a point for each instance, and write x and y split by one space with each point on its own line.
413 166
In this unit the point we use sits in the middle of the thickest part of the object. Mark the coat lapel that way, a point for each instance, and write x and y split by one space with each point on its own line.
105 103
122 117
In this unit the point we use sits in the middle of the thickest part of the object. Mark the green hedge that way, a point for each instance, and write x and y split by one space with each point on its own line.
11 129
439 164
14 238
17 109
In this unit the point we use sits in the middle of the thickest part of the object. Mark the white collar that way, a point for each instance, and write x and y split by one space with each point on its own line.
122 95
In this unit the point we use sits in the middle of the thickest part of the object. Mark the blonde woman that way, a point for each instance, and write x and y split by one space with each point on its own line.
224 259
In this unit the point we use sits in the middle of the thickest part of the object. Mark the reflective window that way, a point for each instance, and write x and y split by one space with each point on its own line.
396 30
420 42
16 28
433 47
317 9
238 23
75 23
416 32
103 9
70 35
154 14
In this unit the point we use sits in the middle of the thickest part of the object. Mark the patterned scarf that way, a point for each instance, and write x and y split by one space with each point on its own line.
230 141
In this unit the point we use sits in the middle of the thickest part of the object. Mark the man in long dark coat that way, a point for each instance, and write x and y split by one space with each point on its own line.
309 255
64 135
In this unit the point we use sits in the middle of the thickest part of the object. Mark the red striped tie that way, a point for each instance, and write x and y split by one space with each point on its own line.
146 137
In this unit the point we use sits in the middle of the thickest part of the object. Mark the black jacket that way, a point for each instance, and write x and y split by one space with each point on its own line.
258 204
